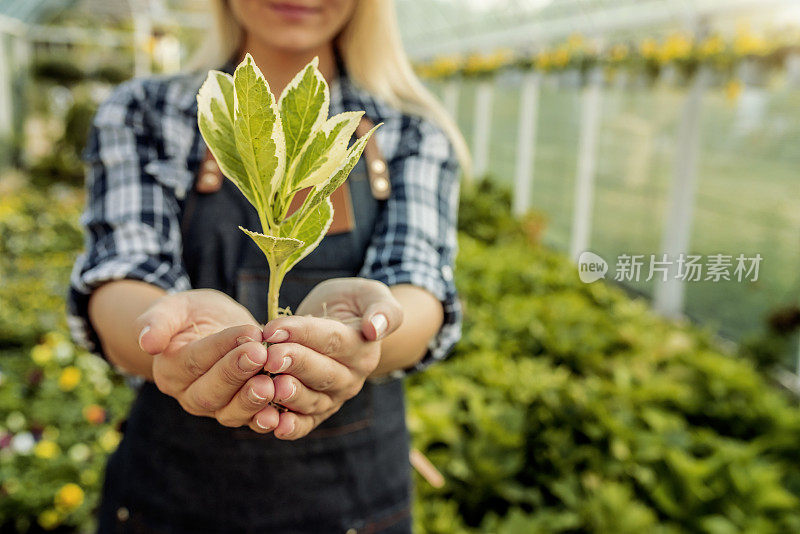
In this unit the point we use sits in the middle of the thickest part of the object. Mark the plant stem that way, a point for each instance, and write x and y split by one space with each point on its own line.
275 280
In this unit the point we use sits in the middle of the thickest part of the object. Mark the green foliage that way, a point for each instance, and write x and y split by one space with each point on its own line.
63 70
57 70
485 212
272 150
566 408
112 74
59 412
39 239
571 408
63 165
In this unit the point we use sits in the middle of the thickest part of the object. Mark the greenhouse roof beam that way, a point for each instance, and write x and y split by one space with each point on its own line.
597 23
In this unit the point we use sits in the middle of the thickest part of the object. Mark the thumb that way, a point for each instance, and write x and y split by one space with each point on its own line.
381 317
160 322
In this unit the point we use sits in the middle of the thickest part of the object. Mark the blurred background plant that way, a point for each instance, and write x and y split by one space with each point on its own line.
571 408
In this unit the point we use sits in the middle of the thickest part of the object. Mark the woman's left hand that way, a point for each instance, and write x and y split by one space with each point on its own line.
326 351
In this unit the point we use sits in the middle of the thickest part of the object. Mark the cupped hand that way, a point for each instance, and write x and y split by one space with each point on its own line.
325 353
207 354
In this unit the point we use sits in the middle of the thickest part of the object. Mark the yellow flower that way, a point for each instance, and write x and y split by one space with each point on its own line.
542 60
49 519
732 90
109 440
712 46
53 338
677 46
46 449
69 378
648 48
747 43
69 497
41 354
443 66
561 57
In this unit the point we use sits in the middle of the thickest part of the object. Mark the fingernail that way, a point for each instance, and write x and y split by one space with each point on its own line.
379 323
287 361
241 340
145 330
255 397
292 391
278 336
246 364
261 426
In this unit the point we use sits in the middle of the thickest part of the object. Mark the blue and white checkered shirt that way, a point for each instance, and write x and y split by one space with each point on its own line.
142 145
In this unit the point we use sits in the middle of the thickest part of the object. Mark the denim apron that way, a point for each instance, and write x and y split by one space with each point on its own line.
178 473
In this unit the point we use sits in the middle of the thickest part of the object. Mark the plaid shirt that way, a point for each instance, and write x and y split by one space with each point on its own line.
144 145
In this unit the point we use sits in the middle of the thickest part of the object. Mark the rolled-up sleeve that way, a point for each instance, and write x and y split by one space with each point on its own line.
131 221
415 235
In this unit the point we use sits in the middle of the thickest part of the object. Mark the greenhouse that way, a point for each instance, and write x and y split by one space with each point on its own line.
626 284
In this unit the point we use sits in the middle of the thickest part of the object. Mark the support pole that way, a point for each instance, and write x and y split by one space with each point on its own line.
450 97
587 163
142 32
481 128
6 104
668 296
526 141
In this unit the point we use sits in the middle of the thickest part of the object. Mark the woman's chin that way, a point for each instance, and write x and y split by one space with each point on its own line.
293 41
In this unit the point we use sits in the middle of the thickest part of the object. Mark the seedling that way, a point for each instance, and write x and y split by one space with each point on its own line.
272 150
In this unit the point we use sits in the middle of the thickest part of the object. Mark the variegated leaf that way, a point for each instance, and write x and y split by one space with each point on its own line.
326 151
310 229
278 249
257 129
215 120
303 108
326 189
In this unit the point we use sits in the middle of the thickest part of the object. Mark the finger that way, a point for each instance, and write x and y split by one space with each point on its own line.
315 370
251 399
292 426
195 359
382 314
292 394
265 420
326 336
161 321
216 387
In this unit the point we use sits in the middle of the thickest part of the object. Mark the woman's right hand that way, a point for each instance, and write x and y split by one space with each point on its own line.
207 354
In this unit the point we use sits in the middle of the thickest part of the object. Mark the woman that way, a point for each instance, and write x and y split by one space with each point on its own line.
170 290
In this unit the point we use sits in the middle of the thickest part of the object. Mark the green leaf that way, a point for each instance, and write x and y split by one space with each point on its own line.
257 131
276 249
215 120
303 108
326 150
326 189
310 229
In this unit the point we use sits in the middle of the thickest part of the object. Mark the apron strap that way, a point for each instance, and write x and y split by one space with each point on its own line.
377 170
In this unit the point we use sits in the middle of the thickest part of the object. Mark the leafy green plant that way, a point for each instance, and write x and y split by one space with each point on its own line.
272 150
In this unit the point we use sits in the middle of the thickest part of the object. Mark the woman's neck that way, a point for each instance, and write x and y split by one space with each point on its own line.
280 66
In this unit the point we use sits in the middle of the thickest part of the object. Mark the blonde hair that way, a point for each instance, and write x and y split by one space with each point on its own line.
373 53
